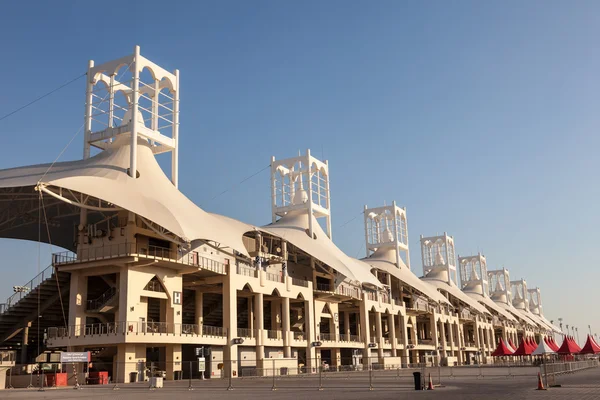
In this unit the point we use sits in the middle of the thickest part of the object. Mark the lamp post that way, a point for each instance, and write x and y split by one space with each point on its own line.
577 330
560 322
590 328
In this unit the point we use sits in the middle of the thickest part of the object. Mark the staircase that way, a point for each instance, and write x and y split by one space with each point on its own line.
106 302
21 309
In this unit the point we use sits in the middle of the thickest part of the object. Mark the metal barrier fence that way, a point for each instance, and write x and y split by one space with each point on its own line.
271 373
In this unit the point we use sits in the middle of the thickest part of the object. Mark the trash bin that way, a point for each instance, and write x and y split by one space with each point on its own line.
417 377
178 375
133 377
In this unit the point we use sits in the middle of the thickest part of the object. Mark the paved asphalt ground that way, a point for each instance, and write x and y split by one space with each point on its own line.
386 385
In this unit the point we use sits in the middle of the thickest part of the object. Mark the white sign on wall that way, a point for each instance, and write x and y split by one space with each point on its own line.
176 297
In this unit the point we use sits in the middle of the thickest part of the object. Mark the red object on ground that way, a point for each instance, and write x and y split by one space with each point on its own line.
501 350
98 378
58 379
540 383
590 347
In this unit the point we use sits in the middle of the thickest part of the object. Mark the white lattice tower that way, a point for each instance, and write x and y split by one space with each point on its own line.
473 274
301 183
499 283
386 227
133 86
439 259
519 293
535 301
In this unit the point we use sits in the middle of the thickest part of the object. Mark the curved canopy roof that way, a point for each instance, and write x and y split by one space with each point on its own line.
511 309
105 176
293 227
590 346
453 290
486 301
385 260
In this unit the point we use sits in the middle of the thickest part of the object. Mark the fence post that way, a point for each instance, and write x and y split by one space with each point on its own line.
116 387
320 376
230 372
10 386
274 387
370 376
30 380
41 389
190 386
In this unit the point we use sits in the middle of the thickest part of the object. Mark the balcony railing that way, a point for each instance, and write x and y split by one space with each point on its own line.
138 250
418 306
246 270
300 336
8 357
350 291
371 295
47 273
299 282
324 287
135 327
274 334
327 337
274 277
245 333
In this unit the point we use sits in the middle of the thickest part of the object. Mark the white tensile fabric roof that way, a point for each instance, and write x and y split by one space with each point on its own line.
486 301
151 195
293 227
554 327
385 260
453 290
516 312
540 321
542 349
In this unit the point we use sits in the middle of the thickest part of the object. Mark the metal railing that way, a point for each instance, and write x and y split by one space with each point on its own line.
567 367
8 357
371 295
138 250
47 273
349 291
246 270
327 337
134 327
274 277
300 336
324 287
274 334
299 282
245 333
418 306
96 304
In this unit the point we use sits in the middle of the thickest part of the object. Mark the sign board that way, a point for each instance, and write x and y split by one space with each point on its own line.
73 357
176 297
201 364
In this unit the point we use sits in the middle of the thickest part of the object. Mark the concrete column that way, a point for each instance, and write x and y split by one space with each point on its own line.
347 324
251 316
434 330
230 323
78 301
379 336
173 359
25 345
365 331
258 325
199 307
392 333
404 330
309 318
285 315
451 337
443 337
129 358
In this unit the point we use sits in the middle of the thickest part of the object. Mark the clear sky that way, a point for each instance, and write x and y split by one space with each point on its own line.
480 117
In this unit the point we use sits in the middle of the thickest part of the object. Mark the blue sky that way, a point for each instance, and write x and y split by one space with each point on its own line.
479 117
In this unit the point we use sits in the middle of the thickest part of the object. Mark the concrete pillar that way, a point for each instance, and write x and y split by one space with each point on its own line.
173 359
434 330
379 336
199 309
129 358
392 333
309 318
78 300
259 325
347 324
404 328
443 337
285 315
365 331
25 345
230 323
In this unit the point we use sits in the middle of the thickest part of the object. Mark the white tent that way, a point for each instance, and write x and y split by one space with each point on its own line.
542 349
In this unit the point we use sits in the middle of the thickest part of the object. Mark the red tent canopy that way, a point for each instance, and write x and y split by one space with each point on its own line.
511 344
533 344
568 346
501 350
524 348
553 344
590 347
